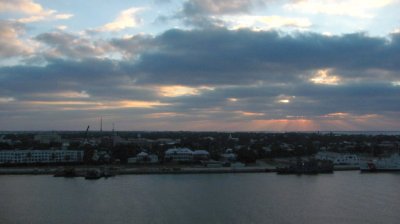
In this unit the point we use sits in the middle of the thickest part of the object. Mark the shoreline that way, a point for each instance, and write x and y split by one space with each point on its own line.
139 171
121 170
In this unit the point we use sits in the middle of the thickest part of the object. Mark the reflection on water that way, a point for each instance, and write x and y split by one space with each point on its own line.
342 197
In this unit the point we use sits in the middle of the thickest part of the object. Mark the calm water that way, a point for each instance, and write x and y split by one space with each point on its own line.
342 197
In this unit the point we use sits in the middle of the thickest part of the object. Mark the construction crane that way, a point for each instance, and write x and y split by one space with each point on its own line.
86 134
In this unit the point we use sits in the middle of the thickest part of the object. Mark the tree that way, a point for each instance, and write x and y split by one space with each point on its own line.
246 156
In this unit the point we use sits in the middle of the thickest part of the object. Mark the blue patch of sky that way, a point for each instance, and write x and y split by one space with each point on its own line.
92 14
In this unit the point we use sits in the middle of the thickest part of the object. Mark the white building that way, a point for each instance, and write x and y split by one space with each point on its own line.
40 156
144 157
179 154
338 158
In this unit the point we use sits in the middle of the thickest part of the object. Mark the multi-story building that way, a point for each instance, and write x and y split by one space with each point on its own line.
40 156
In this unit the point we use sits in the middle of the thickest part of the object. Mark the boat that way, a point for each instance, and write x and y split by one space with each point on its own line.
340 161
311 166
386 164
93 174
107 172
66 172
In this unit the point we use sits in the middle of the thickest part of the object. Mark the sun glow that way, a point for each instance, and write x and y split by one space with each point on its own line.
249 114
97 105
324 77
232 99
66 94
178 90
283 99
285 124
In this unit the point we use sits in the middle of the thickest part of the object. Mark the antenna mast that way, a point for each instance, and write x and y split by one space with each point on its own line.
101 124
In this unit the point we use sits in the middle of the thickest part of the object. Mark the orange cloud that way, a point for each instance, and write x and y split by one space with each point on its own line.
285 124
94 105
179 90
65 94
30 7
25 6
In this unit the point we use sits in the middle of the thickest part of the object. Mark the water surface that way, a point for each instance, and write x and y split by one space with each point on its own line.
342 197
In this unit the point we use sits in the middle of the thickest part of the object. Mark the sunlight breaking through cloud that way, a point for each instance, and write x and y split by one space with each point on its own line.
178 90
324 77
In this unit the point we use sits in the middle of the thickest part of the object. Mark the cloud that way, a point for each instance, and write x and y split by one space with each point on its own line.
62 27
64 94
49 15
207 13
396 31
264 22
35 10
11 42
211 7
62 44
352 8
324 77
178 90
6 99
24 6
217 77
133 46
95 105
126 19
219 56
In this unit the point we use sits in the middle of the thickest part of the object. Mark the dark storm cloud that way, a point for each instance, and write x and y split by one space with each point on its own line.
220 57
224 57
100 78
60 73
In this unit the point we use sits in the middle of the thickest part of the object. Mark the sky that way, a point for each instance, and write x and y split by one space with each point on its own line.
200 65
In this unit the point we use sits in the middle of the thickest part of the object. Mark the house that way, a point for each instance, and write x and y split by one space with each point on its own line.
199 155
179 155
228 156
144 157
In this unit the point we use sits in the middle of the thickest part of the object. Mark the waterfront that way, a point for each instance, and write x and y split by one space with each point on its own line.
342 197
